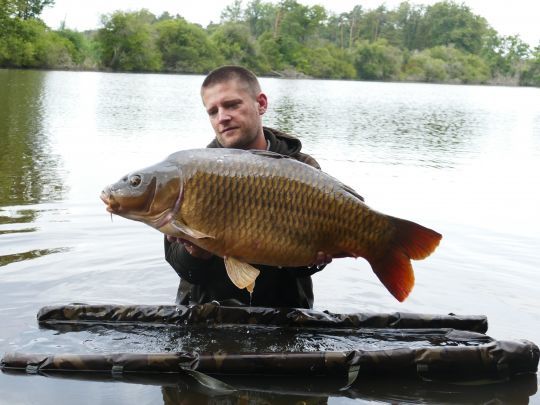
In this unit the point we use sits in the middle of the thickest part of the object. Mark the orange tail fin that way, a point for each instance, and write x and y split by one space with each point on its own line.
411 241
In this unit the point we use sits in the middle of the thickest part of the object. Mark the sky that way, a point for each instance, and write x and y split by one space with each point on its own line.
507 17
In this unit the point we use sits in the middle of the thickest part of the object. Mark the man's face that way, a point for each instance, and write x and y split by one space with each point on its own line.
235 113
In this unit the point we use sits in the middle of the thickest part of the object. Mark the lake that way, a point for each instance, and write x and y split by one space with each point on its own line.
463 160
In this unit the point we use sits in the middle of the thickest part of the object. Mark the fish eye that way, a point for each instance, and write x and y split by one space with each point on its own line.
135 180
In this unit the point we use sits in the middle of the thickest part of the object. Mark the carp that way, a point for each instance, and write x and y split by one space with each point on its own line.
260 207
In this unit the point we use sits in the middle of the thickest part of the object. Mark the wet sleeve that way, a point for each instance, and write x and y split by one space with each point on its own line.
189 268
304 271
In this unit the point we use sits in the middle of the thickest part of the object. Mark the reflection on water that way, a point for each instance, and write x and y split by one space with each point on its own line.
464 160
183 389
30 171
32 254
398 126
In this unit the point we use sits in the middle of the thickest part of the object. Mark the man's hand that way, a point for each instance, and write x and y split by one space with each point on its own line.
192 249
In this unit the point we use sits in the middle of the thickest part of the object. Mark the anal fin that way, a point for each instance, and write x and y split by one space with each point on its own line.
242 274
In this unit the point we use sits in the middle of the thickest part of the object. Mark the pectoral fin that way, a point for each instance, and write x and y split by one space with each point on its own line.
242 274
188 231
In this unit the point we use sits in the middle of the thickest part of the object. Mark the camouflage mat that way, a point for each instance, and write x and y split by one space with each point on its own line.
214 313
498 360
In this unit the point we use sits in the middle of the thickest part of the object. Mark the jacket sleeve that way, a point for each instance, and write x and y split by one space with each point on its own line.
305 271
189 268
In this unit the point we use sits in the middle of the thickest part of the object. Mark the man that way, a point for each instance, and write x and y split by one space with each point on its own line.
235 104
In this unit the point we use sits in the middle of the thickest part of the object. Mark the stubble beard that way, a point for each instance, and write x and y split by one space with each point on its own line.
239 141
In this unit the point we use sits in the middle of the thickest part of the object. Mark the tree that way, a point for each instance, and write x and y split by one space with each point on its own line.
407 19
422 67
447 23
260 17
185 47
27 9
238 47
327 62
127 42
377 60
31 44
232 13
298 22
374 24
80 48
530 75
270 51
446 64
506 55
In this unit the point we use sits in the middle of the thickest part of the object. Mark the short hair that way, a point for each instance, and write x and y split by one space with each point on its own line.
232 72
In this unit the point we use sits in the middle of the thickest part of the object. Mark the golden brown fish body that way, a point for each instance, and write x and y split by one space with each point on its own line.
263 208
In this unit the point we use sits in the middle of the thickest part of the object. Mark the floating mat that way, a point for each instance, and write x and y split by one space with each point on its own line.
214 313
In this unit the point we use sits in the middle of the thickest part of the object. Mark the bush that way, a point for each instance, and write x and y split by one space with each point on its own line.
31 44
327 62
377 60
446 63
185 47
530 76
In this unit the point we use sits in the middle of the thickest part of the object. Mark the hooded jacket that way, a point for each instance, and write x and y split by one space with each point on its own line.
204 281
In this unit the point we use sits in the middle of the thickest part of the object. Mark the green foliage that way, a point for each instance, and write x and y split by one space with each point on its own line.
185 47
377 60
531 71
329 62
447 23
506 54
407 20
445 64
32 44
25 9
232 13
422 67
298 22
238 47
260 18
79 47
442 42
127 42
270 51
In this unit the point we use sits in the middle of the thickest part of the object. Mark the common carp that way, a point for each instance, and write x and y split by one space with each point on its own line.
261 207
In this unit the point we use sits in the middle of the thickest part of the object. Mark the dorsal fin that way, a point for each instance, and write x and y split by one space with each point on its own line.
350 190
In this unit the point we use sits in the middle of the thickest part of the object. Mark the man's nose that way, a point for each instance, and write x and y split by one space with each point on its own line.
223 116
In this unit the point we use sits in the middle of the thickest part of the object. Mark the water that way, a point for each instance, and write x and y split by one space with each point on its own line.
464 160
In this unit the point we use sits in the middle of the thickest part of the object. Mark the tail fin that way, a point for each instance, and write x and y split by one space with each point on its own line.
411 241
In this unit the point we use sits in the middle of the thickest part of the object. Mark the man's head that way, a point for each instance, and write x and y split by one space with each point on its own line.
235 103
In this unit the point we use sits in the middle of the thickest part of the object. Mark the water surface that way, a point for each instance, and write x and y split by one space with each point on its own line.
464 160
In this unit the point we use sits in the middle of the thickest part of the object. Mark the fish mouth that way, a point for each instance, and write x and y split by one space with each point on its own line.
130 207
142 211
108 199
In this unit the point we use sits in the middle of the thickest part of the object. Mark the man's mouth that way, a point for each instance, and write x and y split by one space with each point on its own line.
226 130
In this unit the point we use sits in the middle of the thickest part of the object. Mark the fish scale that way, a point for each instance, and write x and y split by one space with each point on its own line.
298 210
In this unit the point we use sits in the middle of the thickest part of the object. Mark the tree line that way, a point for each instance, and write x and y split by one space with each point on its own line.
444 42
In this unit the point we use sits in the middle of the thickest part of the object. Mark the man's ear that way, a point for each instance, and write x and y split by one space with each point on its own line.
262 100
